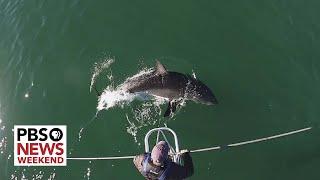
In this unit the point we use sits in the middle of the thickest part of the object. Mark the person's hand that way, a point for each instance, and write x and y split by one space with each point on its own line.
184 151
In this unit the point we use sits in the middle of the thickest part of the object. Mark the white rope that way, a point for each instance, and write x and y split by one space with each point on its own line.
253 141
206 149
101 158
203 149
270 137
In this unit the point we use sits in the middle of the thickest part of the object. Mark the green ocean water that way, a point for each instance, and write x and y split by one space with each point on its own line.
260 58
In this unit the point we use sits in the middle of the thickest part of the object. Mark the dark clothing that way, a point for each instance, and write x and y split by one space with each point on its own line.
170 170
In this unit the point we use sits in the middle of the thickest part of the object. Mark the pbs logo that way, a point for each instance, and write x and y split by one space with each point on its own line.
56 134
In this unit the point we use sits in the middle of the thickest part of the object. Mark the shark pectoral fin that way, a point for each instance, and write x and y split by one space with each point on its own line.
168 111
172 107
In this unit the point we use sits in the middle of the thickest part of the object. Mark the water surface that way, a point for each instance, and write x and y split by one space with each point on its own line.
260 58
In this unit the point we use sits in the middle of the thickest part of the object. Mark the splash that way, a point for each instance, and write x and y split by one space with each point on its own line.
132 129
146 115
110 98
3 138
3 144
88 172
98 68
118 96
80 134
34 174
194 74
84 126
52 175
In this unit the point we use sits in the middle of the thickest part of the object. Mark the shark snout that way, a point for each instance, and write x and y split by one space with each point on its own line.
209 103
212 101
209 100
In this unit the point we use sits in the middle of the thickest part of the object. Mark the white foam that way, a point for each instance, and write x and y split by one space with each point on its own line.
87 173
80 134
132 129
52 176
111 98
194 74
98 68
3 137
119 96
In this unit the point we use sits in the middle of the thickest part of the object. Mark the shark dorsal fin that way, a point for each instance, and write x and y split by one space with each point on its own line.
160 69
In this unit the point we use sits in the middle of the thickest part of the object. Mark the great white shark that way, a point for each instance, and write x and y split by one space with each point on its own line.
173 86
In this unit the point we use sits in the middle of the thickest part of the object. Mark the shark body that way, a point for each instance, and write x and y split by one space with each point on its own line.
173 86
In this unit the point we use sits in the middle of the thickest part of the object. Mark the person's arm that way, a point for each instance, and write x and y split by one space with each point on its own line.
188 164
138 161
177 171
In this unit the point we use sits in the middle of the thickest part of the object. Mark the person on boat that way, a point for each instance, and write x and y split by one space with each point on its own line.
158 166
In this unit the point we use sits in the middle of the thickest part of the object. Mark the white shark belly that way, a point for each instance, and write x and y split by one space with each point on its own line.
165 93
